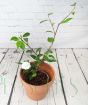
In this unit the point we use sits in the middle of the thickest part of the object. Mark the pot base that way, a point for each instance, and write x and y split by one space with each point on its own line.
39 92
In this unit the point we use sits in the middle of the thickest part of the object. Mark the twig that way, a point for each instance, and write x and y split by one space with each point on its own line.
28 45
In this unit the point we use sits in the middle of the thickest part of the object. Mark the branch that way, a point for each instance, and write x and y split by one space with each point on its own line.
64 19
55 32
28 45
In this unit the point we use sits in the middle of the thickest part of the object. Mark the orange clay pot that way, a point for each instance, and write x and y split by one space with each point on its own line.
39 92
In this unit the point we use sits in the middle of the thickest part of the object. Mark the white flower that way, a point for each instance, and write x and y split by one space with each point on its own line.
25 65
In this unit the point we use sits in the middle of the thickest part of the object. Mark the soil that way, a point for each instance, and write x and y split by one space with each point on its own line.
41 78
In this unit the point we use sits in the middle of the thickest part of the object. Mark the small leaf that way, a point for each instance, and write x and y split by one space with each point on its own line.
66 20
49 31
38 50
73 13
39 55
20 44
26 34
29 51
52 58
33 56
26 39
50 39
43 21
49 51
18 62
53 23
74 4
50 14
49 58
34 74
14 38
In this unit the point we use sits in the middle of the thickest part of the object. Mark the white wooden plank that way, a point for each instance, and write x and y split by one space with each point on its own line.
8 69
76 88
2 53
82 58
19 96
54 96
16 19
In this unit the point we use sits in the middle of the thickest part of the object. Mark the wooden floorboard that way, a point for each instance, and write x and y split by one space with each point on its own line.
8 68
76 88
81 56
69 88
61 79
53 97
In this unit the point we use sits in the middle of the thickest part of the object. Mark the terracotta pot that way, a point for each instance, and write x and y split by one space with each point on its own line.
39 92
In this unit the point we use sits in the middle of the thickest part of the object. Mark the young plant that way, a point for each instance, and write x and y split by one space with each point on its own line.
22 42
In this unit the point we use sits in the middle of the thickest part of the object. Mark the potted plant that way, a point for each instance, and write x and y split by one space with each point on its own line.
38 76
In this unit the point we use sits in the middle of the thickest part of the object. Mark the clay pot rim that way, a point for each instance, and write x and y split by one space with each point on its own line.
38 85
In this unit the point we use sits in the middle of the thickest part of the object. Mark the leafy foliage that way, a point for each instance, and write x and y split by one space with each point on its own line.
49 31
49 56
14 38
50 39
50 14
38 50
74 4
20 44
22 41
66 20
26 34
43 21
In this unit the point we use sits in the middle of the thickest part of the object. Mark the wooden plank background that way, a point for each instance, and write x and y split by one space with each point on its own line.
19 16
69 88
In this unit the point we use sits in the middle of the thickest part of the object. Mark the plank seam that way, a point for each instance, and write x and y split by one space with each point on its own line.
59 71
4 56
9 101
79 66
54 97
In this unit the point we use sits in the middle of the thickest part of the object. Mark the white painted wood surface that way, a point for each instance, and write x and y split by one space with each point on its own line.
19 16
76 88
8 69
82 58
70 86
54 96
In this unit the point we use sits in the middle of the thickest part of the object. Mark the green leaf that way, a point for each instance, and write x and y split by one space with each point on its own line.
29 51
43 21
39 55
53 23
38 50
66 20
14 38
73 13
50 39
52 58
34 74
26 34
20 44
18 62
26 39
49 31
50 14
33 56
49 51
49 58
74 4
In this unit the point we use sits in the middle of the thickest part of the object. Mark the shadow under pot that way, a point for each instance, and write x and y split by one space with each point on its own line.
38 92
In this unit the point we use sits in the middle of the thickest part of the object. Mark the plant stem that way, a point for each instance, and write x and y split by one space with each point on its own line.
64 19
51 24
55 32
28 45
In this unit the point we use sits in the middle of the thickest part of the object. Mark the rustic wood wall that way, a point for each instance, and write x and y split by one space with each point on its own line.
19 16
